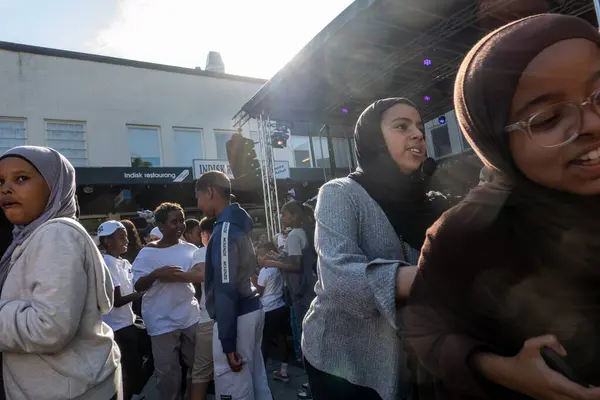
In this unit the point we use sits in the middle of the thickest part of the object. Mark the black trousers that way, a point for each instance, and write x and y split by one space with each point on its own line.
326 387
131 360
277 325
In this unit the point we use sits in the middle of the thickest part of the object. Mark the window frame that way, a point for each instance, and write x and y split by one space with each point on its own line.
220 131
159 138
68 121
25 127
431 134
174 129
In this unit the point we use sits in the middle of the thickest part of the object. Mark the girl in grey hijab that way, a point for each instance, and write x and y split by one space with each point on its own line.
53 287
59 175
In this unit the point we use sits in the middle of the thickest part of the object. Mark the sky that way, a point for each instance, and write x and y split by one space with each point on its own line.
255 37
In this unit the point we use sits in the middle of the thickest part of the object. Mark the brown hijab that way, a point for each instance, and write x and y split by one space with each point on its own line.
514 260
485 85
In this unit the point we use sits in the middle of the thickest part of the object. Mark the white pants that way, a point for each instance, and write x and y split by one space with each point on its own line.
251 382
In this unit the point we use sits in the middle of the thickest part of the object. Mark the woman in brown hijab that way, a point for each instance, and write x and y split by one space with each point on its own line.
515 268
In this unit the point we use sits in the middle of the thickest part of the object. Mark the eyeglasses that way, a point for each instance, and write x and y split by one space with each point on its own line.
558 124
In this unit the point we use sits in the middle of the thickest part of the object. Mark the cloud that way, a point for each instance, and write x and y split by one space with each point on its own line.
255 38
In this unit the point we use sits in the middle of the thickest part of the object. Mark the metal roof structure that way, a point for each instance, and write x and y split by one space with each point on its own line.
382 48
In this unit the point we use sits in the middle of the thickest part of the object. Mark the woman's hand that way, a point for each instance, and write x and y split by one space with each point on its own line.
528 373
167 274
405 277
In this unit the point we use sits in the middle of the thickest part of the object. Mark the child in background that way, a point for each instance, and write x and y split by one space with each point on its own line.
277 315
203 370
155 234
192 233
113 238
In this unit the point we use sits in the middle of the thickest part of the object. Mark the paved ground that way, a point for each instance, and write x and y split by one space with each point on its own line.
280 390
286 391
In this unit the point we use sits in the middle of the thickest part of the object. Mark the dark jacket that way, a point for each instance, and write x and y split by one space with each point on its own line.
480 289
230 262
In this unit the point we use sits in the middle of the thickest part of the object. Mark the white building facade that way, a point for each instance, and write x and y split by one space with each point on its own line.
106 112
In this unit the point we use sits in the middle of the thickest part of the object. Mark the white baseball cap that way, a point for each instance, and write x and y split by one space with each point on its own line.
109 227
156 232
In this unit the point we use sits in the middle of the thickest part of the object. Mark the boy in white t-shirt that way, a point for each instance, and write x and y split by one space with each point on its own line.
203 370
169 306
277 314
113 238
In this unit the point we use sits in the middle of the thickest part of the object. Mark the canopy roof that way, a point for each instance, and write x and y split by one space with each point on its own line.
378 48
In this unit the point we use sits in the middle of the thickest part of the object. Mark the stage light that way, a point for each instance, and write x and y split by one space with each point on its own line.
345 111
426 98
442 119
427 62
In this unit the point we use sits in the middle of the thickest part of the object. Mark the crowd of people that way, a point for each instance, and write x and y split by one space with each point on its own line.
388 289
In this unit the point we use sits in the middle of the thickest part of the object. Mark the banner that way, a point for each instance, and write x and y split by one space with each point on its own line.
282 168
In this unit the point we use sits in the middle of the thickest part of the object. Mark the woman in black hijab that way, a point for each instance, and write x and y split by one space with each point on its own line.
513 269
369 230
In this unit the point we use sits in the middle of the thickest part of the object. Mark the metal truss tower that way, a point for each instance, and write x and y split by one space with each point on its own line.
269 181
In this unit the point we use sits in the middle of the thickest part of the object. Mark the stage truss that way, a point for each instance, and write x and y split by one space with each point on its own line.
267 172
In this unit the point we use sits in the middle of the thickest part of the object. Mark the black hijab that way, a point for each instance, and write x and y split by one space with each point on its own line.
402 197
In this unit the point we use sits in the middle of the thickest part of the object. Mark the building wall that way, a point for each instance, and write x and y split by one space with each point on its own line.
110 97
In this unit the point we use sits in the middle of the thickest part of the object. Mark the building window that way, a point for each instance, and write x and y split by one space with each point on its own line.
144 146
189 145
69 139
221 138
301 149
341 152
12 133
440 138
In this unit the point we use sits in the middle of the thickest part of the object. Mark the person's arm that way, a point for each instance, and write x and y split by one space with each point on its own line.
293 261
291 264
144 276
145 282
225 260
261 282
54 268
120 300
196 273
354 283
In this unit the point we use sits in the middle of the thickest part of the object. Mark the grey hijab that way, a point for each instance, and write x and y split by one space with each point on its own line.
60 176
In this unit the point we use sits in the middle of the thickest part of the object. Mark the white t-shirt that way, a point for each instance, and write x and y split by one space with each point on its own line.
280 241
122 277
200 257
296 242
167 306
272 281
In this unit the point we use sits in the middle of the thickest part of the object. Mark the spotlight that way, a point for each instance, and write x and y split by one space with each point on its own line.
442 119
426 98
427 62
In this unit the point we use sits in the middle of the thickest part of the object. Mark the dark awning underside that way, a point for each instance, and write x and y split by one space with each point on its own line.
376 49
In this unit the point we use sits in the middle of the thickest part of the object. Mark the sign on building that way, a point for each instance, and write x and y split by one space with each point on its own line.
131 175
282 168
